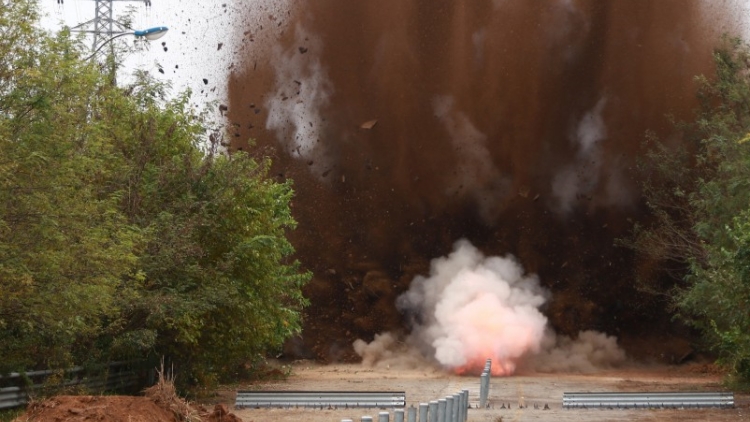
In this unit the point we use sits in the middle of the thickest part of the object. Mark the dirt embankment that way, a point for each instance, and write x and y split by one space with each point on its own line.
160 403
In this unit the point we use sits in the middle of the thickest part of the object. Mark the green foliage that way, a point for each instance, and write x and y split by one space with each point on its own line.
122 233
8 415
699 197
63 243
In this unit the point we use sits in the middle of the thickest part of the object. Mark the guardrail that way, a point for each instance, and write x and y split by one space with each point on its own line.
648 400
16 388
484 384
318 399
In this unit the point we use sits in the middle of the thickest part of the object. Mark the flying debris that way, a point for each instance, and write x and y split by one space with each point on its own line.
369 124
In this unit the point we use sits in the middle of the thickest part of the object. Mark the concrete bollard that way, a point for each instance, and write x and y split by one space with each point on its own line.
366 419
441 410
433 412
423 412
449 409
398 415
383 417
411 414
456 407
346 420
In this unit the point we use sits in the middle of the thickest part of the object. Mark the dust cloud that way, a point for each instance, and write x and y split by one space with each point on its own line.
409 124
472 308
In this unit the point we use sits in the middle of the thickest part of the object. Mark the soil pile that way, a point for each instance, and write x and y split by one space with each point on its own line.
120 409
97 408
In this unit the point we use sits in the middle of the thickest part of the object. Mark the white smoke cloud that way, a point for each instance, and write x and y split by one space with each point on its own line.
591 176
471 308
302 90
581 178
476 174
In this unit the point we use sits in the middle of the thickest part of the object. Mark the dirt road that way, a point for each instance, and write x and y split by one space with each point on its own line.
534 391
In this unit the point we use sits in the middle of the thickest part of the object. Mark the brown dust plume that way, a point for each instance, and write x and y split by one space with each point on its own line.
409 124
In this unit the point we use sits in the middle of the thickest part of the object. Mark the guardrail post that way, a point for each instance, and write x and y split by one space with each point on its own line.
423 407
383 417
484 387
433 413
465 408
441 410
398 415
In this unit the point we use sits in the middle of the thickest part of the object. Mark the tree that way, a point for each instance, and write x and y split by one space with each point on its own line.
217 289
123 232
63 243
699 198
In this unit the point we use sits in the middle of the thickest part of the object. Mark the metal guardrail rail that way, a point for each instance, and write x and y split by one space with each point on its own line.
345 399
17 393
648 400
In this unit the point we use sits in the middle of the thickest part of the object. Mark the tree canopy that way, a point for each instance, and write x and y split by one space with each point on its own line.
124 231
699 196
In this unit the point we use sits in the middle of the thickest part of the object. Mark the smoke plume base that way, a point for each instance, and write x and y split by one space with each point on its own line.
472 308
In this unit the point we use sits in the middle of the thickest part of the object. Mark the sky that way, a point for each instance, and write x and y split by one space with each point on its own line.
187 54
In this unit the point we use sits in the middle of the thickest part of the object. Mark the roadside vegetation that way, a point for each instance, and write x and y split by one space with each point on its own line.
697 190
125 232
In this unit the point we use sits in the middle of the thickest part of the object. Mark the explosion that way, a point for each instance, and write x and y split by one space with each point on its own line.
408 124
472 308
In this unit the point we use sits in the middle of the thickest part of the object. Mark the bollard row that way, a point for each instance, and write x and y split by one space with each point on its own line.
453 408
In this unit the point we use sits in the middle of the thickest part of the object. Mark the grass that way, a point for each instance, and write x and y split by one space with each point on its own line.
8 415
164 394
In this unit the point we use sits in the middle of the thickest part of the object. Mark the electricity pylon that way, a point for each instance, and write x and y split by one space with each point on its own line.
104 26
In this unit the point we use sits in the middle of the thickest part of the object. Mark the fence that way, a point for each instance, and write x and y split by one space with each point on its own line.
648 400
16 388
321 399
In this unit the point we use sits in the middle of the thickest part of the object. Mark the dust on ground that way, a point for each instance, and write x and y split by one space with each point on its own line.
534 391
118 409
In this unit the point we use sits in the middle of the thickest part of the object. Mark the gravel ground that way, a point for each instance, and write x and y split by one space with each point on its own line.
534 391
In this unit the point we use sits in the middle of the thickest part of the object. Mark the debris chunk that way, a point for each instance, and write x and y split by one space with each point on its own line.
369 124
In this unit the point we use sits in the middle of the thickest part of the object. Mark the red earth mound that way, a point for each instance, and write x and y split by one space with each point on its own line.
113 409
